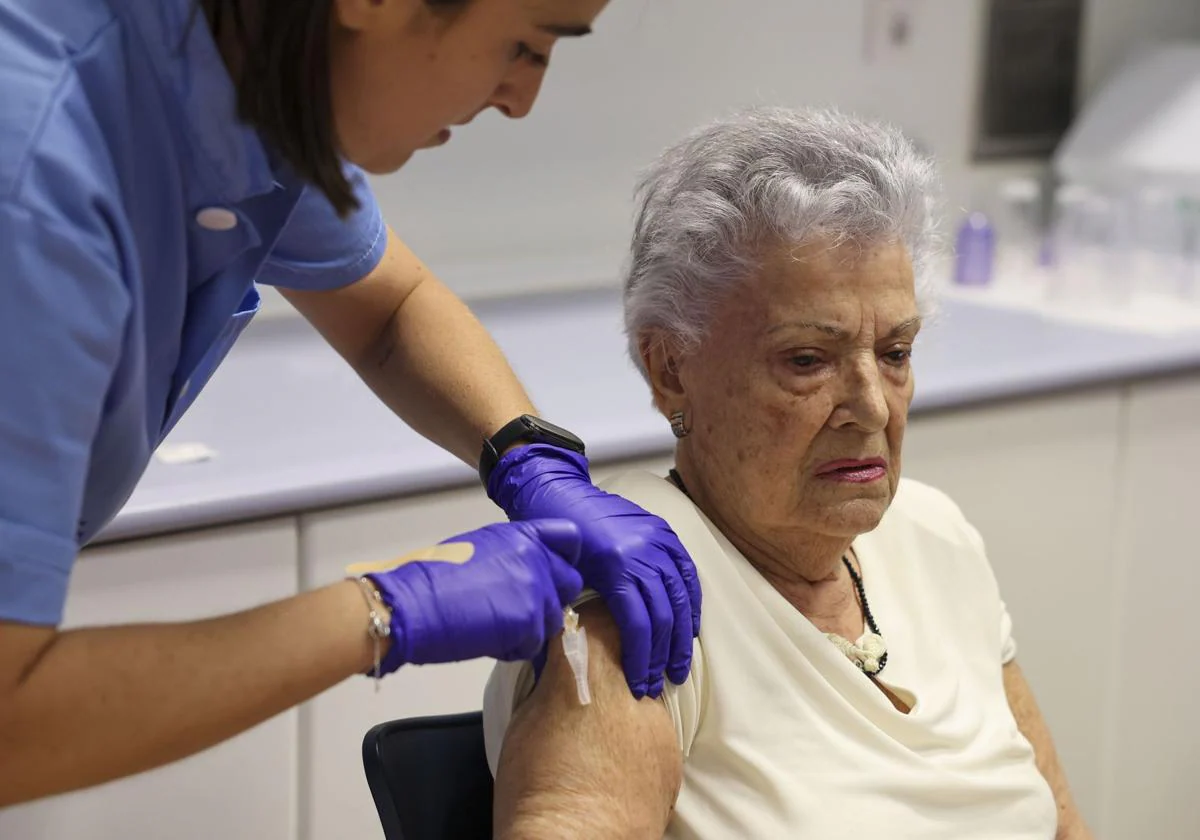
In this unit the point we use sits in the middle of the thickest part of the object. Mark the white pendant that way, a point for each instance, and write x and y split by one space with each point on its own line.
865 653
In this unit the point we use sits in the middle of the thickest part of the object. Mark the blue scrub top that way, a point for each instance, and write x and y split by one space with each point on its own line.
136 215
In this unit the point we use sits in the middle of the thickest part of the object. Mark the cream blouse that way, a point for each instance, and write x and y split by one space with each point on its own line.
783 737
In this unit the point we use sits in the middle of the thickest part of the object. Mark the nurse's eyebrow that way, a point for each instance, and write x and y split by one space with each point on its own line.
566 30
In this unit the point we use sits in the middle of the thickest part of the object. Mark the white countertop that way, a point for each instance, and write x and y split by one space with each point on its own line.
292 428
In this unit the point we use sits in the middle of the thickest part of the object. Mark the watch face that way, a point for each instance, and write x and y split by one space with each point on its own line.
556 434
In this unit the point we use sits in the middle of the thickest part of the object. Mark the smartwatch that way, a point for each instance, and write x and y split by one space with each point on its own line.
525 429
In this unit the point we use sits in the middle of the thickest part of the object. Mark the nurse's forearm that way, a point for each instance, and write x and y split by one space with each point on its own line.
98 704
439 369
420 350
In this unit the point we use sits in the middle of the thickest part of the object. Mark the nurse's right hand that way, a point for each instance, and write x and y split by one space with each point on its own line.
497 592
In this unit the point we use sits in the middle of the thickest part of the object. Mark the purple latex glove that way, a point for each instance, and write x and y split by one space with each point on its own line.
503 602
632 558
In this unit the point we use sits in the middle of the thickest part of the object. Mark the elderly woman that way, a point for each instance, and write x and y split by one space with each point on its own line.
854 674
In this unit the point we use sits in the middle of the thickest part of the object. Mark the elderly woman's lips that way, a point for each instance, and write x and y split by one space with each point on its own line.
854 471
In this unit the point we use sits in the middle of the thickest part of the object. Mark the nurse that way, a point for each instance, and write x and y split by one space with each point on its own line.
157 159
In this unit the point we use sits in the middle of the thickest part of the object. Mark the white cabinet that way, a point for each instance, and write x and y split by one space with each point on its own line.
1037 479
244 788
1153 752
335 802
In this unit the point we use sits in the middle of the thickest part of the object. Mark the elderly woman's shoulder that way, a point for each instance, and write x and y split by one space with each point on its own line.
919 505
640 486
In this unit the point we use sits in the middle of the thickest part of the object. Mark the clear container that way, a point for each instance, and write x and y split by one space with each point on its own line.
1188 285
1159 248
1068 273
1091 250
1020 234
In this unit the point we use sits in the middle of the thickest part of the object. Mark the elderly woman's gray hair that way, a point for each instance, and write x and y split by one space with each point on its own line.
713 204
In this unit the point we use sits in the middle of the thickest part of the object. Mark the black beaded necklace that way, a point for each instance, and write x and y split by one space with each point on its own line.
866 608
854 577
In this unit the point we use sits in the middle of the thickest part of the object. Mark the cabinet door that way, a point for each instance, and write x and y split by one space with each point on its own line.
1036 478
1154 750
244 788
335 801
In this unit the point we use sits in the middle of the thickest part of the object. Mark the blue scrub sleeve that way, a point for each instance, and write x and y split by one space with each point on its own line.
318 251
63 311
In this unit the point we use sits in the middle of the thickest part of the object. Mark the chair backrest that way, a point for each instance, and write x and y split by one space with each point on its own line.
430 777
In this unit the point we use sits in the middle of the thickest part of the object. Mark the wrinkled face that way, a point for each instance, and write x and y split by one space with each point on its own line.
403 71
798 398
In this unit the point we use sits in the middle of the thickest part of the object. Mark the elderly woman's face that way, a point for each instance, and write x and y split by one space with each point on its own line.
799 396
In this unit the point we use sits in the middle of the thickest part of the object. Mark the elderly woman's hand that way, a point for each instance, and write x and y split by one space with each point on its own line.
630 557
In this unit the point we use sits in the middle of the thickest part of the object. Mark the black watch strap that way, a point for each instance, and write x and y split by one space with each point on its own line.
525 429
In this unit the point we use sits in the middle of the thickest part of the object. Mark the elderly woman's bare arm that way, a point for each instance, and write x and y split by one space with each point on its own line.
611 769
1029 719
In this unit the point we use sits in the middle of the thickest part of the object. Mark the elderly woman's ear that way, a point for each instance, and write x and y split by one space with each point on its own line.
663 361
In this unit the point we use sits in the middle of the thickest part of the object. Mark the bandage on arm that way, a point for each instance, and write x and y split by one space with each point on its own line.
608 769
575 650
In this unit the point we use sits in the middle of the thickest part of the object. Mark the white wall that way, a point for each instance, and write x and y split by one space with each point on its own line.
1112 28
510 206
545 203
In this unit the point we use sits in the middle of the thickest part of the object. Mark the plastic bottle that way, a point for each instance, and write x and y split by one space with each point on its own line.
974 251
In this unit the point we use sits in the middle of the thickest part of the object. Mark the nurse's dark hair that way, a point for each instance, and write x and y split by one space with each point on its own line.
283 85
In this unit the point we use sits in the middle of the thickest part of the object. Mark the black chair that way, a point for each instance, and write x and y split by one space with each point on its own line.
430 778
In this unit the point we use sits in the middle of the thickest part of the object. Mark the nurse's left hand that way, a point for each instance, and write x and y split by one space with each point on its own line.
630 557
